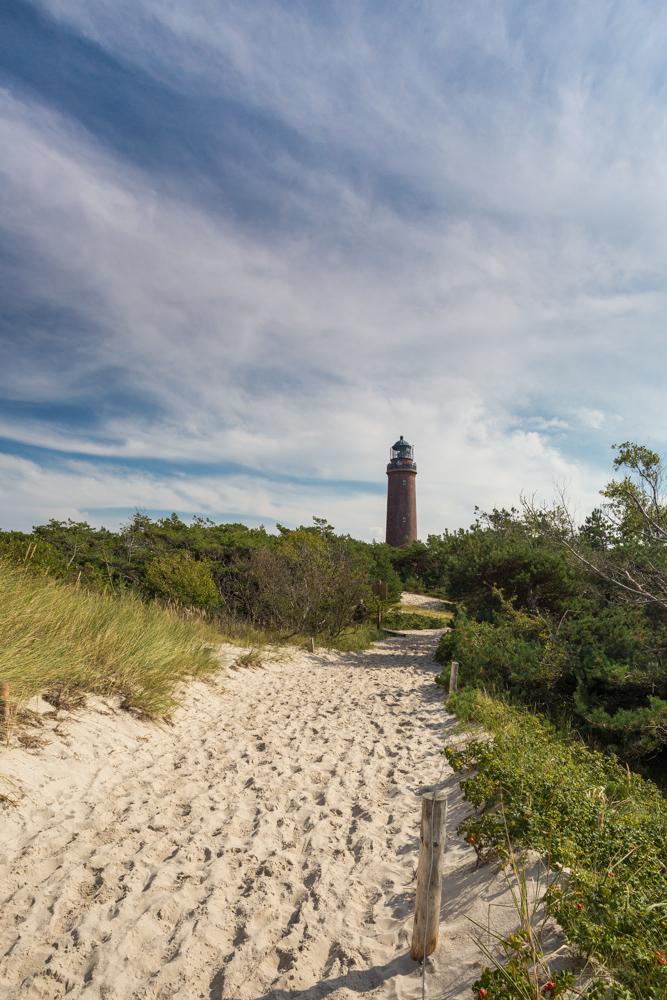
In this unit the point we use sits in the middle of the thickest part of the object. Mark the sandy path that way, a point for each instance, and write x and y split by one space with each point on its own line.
421 601
261 848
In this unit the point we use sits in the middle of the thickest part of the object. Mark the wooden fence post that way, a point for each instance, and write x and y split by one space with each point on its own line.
453 677
429 875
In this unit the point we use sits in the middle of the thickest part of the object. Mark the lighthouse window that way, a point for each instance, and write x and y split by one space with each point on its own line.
404 482
404 520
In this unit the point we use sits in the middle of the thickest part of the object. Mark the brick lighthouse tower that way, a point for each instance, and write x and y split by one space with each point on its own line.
401 500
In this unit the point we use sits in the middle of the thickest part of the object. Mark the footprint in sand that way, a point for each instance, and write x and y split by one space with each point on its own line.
260 849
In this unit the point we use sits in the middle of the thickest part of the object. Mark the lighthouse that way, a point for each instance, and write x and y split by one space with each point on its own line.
401 499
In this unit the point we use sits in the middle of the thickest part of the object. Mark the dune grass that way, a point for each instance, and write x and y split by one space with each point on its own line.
358 639
404 620
55 636
414 609
412 616
64 640
603 825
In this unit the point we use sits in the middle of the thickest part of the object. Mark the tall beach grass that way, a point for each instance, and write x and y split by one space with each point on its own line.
53 635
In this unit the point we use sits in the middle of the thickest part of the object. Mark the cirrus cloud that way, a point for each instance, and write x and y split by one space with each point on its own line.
242 249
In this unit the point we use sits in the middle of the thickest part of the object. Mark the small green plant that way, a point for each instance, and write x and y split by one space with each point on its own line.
7 796
251 658
585 812
356 639
519 969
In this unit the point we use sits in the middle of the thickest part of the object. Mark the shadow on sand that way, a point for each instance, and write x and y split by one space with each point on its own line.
357 981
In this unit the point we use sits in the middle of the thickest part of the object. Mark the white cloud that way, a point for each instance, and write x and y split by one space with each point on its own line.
527 292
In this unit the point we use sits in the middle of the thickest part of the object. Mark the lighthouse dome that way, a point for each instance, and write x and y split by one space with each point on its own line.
402 449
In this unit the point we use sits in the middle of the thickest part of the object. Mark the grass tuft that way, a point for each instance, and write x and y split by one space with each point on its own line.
353 642
58 639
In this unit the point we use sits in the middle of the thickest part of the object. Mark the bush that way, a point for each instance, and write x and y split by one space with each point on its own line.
305 585
594 670
532 573
31 553
166 559
587 813
178 577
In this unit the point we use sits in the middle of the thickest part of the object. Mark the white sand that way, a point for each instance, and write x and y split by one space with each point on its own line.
263 847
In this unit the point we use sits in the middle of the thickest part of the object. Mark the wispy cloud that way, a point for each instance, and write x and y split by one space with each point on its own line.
258 241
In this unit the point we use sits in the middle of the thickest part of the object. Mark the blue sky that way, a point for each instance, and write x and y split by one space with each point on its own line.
245 245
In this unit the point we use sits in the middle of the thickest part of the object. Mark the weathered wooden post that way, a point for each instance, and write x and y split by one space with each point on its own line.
453 677
380 589
312 643
429 875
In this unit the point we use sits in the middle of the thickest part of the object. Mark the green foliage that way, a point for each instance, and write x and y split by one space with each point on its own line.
589 815
228 570
497 551
422 567
501 557
514 976
597 533
630 499
89 553
514 980
594 667
412 620
178 577
31 553
493 657
519 969
375 563
306 585
354 641
121 559
306 580
622 546
538 625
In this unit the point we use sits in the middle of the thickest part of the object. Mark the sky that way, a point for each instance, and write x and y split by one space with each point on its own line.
246 245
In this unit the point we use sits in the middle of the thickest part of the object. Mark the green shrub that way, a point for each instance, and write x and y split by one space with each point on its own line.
485 563
31 553
124 559
596 669
492 657
305 585
589 814
178 577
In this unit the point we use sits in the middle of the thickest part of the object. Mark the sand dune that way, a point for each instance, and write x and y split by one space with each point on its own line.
262 847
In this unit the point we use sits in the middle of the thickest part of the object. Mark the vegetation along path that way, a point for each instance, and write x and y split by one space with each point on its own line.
262 847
